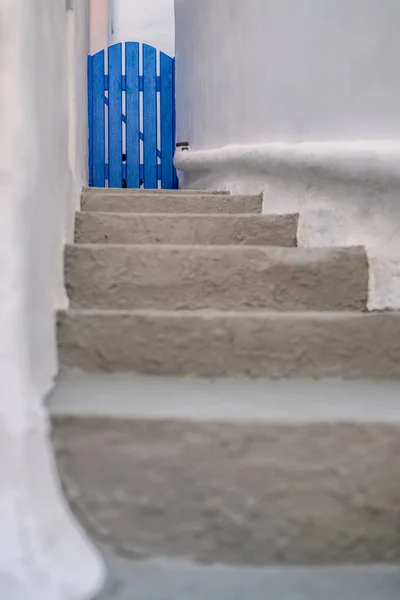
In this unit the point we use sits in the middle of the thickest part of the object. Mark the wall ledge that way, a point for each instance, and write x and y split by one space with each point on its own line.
347 193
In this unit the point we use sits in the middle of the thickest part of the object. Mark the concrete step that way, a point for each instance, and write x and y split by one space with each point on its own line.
87 191
220 344
232 472
128 228
166 202
165 579
216 277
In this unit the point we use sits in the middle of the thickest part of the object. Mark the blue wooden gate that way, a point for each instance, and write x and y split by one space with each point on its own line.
131 98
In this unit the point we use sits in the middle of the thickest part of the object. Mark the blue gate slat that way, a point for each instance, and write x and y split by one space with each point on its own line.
115 115
150 116
98 123
90 116
166 115
175 184
132 115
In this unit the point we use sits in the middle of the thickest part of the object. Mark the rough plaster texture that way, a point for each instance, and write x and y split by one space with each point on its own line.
216 277
180 203
219 344
240 493
128 228
43 554
148 21
310 92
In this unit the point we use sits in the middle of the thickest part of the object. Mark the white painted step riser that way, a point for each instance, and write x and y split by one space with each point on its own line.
240 493
185 579
270 345
259 230
222 278
171 203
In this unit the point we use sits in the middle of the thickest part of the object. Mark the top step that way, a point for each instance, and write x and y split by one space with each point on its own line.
97 190
167 201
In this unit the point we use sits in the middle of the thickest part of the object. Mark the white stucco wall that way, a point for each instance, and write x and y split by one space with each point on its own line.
299 100
43 554
287 71
148 21
56 135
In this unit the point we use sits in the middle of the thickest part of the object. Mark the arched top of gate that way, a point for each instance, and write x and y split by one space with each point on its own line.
120 45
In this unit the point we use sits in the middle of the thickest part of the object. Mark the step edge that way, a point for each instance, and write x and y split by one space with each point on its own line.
229 314
215 197
262 216
149 192
224 248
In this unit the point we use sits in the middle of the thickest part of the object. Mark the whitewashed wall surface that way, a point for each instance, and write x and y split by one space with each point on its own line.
148 21
44 555
299 100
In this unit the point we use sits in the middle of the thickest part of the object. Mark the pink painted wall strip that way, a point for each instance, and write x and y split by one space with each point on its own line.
99 25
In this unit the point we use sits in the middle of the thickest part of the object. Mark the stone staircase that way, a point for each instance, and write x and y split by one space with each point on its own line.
171 290
205 285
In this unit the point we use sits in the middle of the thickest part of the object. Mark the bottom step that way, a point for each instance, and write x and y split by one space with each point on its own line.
177 580
248 472
220 344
